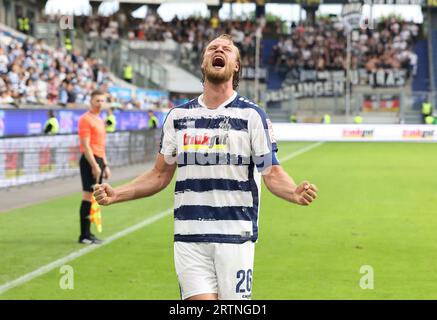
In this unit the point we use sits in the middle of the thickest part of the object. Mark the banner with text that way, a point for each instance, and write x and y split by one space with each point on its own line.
26 122
312 83
352 132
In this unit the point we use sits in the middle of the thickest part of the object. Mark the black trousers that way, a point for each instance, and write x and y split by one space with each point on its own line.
88 181
86 173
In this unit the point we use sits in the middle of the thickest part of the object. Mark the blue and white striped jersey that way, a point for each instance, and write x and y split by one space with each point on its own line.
220 154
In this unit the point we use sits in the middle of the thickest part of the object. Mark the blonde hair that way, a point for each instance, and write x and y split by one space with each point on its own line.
237 74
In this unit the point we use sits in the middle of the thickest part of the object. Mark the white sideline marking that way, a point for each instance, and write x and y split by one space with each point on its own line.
300 151
60 262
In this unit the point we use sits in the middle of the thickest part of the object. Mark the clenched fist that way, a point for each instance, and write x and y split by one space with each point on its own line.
305 193
104 194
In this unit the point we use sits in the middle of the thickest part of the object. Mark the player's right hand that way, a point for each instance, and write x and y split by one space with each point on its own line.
305 193
104 194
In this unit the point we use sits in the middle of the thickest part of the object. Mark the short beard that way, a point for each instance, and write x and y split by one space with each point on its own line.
215 77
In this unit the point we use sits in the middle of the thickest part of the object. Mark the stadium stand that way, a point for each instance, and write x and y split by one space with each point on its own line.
192 33
389 46
285 51
323 46
34 74
288 54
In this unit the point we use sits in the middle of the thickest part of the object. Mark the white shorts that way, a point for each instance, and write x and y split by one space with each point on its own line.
222 268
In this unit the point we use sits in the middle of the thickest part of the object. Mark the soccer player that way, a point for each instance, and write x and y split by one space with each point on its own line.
222 144
93 164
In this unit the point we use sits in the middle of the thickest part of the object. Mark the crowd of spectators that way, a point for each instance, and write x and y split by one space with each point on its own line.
388 44
191 33
32 73
323 47
194 34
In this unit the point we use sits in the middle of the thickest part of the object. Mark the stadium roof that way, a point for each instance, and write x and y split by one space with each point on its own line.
208 2
302 2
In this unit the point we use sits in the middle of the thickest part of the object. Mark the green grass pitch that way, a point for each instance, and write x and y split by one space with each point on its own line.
377 206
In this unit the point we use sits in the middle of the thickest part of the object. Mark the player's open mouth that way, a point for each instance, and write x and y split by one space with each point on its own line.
218 62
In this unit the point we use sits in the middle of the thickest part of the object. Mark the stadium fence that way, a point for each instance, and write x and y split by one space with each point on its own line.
25 160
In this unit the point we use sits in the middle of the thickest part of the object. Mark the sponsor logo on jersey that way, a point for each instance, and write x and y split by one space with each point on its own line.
205 141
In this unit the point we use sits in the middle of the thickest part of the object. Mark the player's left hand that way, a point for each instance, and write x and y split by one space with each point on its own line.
305 193
107 173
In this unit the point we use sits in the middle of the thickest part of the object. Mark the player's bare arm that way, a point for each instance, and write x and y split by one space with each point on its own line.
146 185
90 157
283 186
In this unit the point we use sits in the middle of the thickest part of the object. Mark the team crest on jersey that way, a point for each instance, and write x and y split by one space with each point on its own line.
224 125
